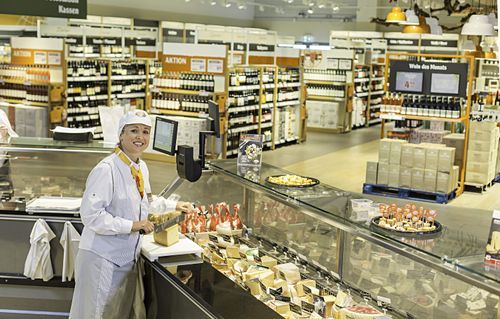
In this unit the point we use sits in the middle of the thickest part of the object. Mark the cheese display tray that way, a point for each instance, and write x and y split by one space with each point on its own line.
375 224
269 180
152 251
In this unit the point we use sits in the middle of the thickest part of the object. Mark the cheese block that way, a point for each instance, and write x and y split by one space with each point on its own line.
267 278
280 307
330 302
289 272
254 286
495 240
231 262
268 262
167 237
300 286
233 251
280 283
254 272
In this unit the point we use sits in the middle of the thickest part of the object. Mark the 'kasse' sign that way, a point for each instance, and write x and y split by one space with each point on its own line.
46 8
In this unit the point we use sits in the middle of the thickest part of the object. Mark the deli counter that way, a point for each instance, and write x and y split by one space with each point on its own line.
318 229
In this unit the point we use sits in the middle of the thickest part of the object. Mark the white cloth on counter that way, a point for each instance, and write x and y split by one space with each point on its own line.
161 205
70 239
38 264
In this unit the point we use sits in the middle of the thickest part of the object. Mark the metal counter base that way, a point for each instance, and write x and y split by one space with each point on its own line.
206 294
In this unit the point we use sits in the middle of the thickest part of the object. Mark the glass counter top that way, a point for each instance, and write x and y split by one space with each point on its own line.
461 243
49 143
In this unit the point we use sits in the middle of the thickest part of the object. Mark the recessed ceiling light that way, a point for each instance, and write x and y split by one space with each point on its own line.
213 3
310 11
290 1
241 6
228 4
335 7
311 4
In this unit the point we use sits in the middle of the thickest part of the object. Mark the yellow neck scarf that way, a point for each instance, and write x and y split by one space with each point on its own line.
136 173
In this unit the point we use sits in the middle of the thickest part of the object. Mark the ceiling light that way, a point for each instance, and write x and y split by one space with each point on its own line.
468 46
478 24
321 5
395 16
241 6
421 28
300 46
187 0
290 1
228 4
335 8
213 3
310 11
311 4
319 47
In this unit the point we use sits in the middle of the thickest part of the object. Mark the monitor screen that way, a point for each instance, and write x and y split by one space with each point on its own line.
409 82
165 137
445 83
214 118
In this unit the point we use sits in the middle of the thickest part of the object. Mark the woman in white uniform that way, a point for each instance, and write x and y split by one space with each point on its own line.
114 209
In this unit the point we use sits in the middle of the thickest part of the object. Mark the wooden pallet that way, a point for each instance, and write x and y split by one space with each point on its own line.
407 193
480 188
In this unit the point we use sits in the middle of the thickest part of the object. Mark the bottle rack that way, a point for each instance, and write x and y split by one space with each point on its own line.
24 84
288 102
263 100
401 107
129 81
87 89
182 93
250 104
92 83
323 86
361 95
376 93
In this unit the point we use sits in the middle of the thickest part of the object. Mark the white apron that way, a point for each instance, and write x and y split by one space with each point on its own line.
103 290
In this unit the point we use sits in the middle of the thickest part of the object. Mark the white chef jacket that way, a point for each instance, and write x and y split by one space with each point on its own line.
111 203
38 264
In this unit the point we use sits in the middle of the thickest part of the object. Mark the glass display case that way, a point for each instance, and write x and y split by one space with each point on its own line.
322 231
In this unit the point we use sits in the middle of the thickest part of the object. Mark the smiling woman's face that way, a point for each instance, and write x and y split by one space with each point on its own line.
135 139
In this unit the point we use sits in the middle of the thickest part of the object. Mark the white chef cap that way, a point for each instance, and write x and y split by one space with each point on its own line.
134 117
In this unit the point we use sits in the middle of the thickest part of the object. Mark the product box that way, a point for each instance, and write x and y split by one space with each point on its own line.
371 172
394 175
456 141
430 176
478 156
479 135
479 167
395 154
444 182
446 159
492 256
384 150
482 146
417 178
431 158
478 178
482 126
383 174
407 154
405 174
437 126
419 155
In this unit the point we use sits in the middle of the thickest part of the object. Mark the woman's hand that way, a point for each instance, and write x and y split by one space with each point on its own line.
185 207
144 224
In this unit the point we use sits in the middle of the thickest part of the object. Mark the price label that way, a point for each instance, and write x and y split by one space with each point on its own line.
226 238
306 289
263 287
284 299
275 292
307 307
295 308
257 259
410 316
213 238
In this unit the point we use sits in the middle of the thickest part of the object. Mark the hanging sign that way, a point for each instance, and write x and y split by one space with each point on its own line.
46 8
434 78
440 43
239 47
40 51
140 42
184 57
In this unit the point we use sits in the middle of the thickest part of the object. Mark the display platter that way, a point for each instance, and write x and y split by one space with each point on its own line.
407 220
295 181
